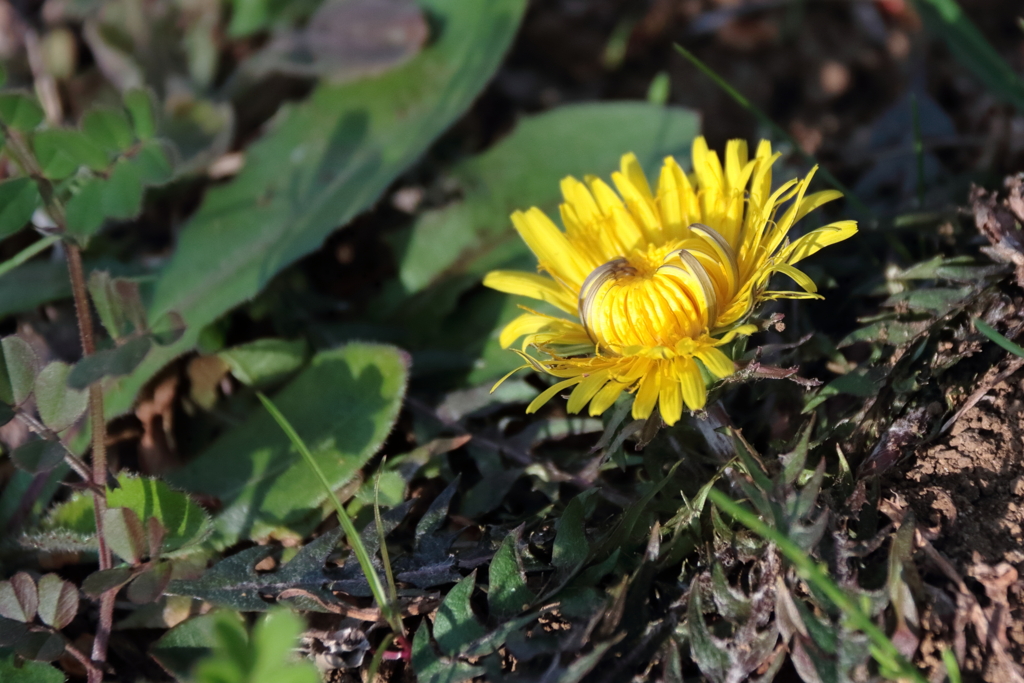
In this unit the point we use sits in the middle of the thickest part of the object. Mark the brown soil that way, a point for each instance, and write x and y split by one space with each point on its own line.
967 493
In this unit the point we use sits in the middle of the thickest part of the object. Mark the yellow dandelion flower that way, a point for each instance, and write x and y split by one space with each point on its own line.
655 282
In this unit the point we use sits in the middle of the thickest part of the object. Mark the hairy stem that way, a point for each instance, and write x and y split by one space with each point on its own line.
23 156
99 448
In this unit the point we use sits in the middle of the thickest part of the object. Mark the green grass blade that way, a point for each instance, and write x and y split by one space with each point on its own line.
781 132
999 339
27 253
354 540
952 668
884 651
392 591
947 20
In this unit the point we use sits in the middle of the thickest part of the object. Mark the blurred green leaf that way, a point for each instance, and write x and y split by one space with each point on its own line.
265 361
18 376
122 194
59 406
61 152
455 625
265 656
152 163
58 601
524 170
38 455
325 161
14 671
20 111
183 646
85 210
114 362
19 199
508 594
139 104
343 406
571 548
109 129
947 20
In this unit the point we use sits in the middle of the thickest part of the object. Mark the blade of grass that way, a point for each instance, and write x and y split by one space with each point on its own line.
952 668
999 339
386 607
781 132
378 657
27 253
883 650
392 591
947 20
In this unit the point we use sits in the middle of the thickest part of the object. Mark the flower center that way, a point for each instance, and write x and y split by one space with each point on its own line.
647 299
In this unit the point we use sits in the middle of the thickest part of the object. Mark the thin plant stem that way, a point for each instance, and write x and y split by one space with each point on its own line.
23 156
28 252
378 657
882 649
392 591
376 587
766 120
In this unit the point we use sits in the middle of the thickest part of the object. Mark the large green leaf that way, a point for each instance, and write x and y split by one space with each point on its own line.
324 162
343 406
524 170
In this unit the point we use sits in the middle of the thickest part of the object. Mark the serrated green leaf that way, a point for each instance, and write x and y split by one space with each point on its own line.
343 406
455 625
58 601
14 671
19 199
508 595
114 362
20 111
38 455
109 129
325 161
234 581
59 406
139 104
21 367
186 523
265 361
61 152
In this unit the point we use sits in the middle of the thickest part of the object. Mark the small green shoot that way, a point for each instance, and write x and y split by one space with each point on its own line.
386 607
952 668
999 339
882 649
